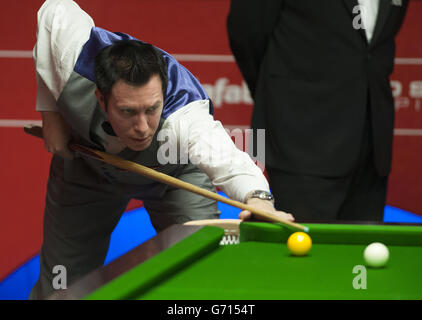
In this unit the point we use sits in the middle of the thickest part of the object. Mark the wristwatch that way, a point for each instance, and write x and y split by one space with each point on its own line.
260 194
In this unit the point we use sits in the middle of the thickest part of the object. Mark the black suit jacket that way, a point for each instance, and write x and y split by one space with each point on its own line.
312 76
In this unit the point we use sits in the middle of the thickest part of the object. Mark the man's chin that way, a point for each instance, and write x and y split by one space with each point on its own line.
139 146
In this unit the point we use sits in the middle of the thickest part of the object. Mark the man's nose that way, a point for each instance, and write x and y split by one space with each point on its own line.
141 124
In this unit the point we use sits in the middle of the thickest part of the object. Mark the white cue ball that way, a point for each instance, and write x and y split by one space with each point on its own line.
376 255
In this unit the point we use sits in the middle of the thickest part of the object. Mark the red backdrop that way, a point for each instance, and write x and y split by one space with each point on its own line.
193 30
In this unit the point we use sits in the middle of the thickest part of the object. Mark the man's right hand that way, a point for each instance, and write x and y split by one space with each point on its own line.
56 134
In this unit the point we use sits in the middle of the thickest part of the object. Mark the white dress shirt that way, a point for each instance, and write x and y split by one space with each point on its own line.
369 13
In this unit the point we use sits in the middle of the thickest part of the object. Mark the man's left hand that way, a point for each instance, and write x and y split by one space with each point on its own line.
264 205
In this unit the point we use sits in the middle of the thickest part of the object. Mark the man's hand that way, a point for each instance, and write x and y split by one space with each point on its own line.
56 134
264 205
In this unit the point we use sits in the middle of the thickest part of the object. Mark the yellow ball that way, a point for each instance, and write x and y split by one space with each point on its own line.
299 243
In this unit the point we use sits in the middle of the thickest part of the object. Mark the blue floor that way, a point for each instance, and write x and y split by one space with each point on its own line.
133 229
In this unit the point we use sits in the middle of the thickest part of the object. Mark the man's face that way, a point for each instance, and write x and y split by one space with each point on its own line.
134 111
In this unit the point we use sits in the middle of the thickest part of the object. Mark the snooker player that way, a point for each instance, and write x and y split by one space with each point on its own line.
112 92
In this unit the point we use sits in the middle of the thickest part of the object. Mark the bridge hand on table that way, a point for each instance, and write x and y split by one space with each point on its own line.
264 205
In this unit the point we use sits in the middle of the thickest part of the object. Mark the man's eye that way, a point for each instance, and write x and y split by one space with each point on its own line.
151 110
127 111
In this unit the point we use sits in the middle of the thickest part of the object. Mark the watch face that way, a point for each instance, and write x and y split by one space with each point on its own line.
264 195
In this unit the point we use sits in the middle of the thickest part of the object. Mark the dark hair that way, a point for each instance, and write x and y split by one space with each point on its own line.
132 61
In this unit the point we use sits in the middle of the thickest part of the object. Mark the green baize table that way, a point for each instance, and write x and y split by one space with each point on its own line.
188 263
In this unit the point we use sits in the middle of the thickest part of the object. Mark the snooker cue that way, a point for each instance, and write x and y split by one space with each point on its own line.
36 131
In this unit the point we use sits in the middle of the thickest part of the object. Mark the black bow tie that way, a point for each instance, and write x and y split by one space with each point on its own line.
108 128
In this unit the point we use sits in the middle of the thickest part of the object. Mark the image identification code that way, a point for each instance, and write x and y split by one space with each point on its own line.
217 309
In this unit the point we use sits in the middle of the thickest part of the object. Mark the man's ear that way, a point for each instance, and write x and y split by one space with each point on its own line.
100 99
